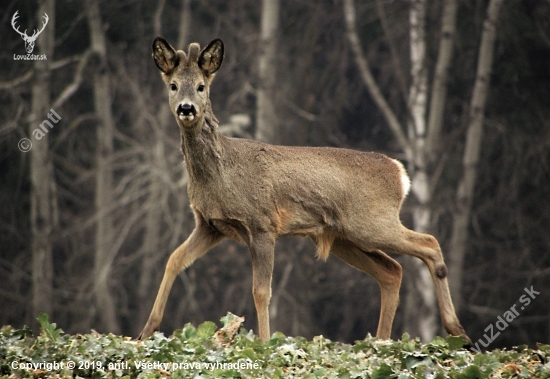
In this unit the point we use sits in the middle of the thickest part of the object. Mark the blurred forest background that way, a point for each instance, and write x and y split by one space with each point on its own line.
459 90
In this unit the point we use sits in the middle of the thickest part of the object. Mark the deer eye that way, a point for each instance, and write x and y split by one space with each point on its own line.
173 87
200 88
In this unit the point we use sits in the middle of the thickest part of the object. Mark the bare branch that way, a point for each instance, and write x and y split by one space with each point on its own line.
401 78
157 18
280 288
299 111
372 86
64 62
185 23
77 80
17 81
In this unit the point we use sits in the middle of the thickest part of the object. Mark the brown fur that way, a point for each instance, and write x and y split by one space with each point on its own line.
346 201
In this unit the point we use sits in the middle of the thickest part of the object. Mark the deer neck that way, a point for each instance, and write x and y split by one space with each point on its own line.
202 149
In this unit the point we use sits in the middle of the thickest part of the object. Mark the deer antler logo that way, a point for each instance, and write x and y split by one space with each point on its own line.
29 40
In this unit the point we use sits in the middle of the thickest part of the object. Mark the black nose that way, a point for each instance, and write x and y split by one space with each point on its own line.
186 109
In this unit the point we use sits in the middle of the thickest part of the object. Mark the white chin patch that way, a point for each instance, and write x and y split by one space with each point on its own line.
189 117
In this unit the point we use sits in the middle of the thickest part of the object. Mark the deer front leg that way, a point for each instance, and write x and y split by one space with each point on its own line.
199 242
262 252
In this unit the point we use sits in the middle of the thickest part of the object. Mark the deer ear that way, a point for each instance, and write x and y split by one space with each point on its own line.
211 57
164 55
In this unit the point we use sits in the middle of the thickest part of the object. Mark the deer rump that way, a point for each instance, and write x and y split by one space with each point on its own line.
318 192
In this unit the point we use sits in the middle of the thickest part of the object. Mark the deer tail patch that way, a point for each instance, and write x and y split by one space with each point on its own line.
405 180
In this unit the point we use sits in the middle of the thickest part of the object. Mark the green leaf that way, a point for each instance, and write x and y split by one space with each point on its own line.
228 318
48 329
415 361
319 372
249 353
206 329
383 372
282 357
455 342
23 333
471 372
188 332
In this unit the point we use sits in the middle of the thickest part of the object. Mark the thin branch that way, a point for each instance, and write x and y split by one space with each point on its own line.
280 288
372 86
17 81
157 17
64 62
13 296
439 169
393 50
77 81
184 24
72 126
70 29
299 111
14 122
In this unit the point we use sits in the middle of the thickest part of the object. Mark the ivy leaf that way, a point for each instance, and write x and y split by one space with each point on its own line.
206 329
455 342
190 349
383 372
23 333
471 372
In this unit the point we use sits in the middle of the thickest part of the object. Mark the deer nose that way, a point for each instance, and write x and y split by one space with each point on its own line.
186 109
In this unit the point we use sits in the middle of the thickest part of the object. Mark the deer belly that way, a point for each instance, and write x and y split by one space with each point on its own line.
233 229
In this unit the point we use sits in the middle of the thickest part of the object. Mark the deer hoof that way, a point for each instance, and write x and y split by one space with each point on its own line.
147 331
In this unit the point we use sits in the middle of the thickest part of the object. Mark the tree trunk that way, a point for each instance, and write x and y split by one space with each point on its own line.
438 94
423 136
104 233
44 212
149 272
266 118
470 160
421 313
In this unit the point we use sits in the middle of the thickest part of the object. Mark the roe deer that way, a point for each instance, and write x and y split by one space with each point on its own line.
346 201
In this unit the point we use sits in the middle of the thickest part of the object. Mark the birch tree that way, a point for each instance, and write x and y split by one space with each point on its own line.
424 140
420 298
421 312
44 214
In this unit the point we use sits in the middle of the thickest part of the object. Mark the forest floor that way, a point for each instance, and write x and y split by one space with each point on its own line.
207 351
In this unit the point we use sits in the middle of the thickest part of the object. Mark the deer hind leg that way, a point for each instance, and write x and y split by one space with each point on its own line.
426 247
201 239
387 273
262 252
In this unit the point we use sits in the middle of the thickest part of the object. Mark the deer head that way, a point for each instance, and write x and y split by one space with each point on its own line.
188 77
29 40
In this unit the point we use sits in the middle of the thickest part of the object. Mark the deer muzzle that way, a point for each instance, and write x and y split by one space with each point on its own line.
186 112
